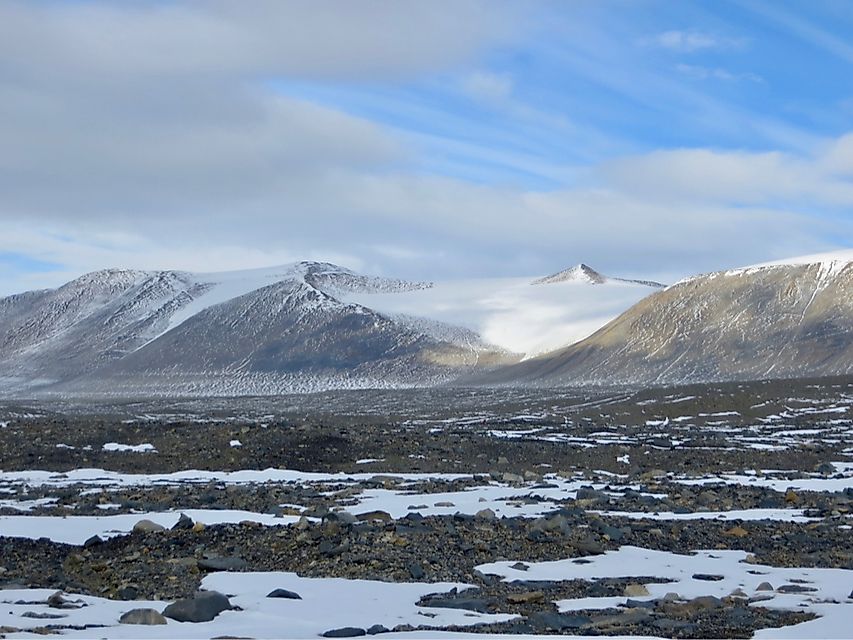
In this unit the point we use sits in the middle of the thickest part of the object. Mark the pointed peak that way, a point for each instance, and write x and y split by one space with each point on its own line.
579 273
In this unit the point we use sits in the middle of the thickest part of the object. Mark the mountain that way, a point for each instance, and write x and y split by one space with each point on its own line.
778 320
307 326
511 312
585 273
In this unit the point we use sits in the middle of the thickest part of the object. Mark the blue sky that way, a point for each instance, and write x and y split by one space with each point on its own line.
591 81
430 140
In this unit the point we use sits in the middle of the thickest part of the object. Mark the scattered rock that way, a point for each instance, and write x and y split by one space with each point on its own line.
147 526
58 601
284 593
345 632
525 598
377 629
479 605
416 571
737 532
520 566
92 542
203 607
231 563
142 616
485 514
557 621
795 588
764 586
183 523
636 590
709 577
43 616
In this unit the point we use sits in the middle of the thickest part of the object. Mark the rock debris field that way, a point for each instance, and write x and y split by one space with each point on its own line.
714 511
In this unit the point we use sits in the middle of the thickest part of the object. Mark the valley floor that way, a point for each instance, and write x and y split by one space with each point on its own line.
715 511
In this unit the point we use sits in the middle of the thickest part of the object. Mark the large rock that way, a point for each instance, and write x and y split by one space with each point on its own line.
345 632
147 526
284 593
203 607
142 616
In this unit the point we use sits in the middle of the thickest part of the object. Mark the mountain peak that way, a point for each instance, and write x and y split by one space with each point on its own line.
579 273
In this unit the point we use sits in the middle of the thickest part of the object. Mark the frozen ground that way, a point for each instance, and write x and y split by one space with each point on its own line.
364 505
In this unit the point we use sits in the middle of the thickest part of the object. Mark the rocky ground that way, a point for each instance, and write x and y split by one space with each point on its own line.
522 477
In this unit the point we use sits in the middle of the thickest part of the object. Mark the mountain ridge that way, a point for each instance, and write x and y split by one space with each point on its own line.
780 320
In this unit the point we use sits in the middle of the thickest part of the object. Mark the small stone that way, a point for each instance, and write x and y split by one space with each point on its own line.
203 607
520 566
503 460
372 516
147 526
709 577
57 601
480 605
635 590
198 527
485 514
232 563
183 523
589 547
345 632
92 542
377 629
736 531
284 593
43 616
795 588
791 497
344 517
525 598
764 586
416 571
142 616
558 621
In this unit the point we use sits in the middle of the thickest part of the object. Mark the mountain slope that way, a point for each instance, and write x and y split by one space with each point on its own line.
780 320
259 331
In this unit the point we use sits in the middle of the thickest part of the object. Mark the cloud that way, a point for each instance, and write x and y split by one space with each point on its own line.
716 73
152 135
735 178
692 41
488 87
322 38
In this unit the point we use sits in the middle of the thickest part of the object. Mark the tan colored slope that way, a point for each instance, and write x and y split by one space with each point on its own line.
769 322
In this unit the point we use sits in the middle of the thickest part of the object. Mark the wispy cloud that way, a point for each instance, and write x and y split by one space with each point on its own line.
488 87
691 41
716 73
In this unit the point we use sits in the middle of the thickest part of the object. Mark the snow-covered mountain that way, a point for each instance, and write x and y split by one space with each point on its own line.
586 274
792 318
300 327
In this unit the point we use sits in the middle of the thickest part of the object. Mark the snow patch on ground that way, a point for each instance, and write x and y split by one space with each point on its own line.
829 600
146 447
327 603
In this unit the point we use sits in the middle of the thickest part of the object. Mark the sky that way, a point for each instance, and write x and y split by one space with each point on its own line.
430 140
